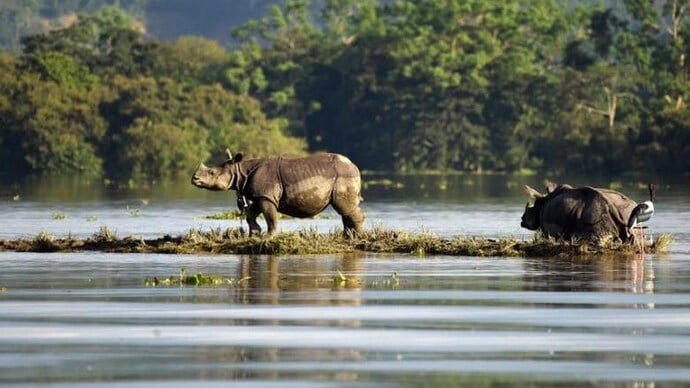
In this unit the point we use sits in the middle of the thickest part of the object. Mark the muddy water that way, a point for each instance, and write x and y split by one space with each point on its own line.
398 320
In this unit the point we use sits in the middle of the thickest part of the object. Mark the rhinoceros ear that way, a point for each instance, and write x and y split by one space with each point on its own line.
551 187
532 193
238 158
228 154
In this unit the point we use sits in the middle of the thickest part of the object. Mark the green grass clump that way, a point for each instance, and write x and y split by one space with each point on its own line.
105 235
196 280
133 212
228 215
45 242
59 216
385 182
662 242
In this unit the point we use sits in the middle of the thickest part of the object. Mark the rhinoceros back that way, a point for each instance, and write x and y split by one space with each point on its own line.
586 212
303 187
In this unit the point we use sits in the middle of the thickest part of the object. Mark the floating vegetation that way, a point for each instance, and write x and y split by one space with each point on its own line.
133 212
661 243
228 215
342 281
91 218
196 280
45 242
386 183
615 185
104 235
310 241
59 216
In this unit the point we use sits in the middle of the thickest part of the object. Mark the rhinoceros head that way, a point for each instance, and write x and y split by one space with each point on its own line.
530 218
217 178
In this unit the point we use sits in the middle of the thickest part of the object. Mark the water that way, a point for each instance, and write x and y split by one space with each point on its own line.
88 318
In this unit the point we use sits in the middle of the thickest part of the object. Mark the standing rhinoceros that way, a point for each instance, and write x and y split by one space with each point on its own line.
582 213
300 187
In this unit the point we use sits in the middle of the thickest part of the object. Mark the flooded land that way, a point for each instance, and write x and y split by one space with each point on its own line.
345 319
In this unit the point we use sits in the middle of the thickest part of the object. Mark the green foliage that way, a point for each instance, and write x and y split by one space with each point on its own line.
63 69
96 94
471 85
190 59
50 127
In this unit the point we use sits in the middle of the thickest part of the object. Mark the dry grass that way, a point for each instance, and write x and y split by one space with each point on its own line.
309 241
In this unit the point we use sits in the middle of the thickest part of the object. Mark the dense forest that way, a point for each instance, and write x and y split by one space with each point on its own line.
403 85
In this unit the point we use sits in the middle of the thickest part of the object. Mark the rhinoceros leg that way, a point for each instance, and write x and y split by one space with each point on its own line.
345 201
270 212
253 211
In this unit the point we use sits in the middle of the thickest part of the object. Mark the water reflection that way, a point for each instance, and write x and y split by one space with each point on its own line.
272 275
591 275
87 317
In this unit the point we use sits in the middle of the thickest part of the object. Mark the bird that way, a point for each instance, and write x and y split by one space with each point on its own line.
644 211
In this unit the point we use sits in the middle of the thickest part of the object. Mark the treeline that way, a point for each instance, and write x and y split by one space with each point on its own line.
164 19
470 85
97 98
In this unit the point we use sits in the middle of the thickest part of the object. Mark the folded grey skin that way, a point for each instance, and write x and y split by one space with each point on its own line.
300 187
583 213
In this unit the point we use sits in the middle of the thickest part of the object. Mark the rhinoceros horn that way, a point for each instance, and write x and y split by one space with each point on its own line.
202 166
228 154
551 187
532 193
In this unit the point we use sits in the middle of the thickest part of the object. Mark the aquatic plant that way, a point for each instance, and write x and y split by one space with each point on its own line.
45 242
661 243
59 216
105 235
196 280
228 215
385 182
133 212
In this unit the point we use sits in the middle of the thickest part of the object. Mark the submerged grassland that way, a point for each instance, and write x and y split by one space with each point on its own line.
310 241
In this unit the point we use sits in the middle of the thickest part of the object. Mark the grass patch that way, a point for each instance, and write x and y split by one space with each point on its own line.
229 215
385 182
133 212
196 280
309 241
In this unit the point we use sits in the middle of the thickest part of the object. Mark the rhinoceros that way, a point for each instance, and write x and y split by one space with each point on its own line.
301 187
586 213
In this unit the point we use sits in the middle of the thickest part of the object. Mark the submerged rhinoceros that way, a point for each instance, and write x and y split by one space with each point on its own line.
579 213
299 188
